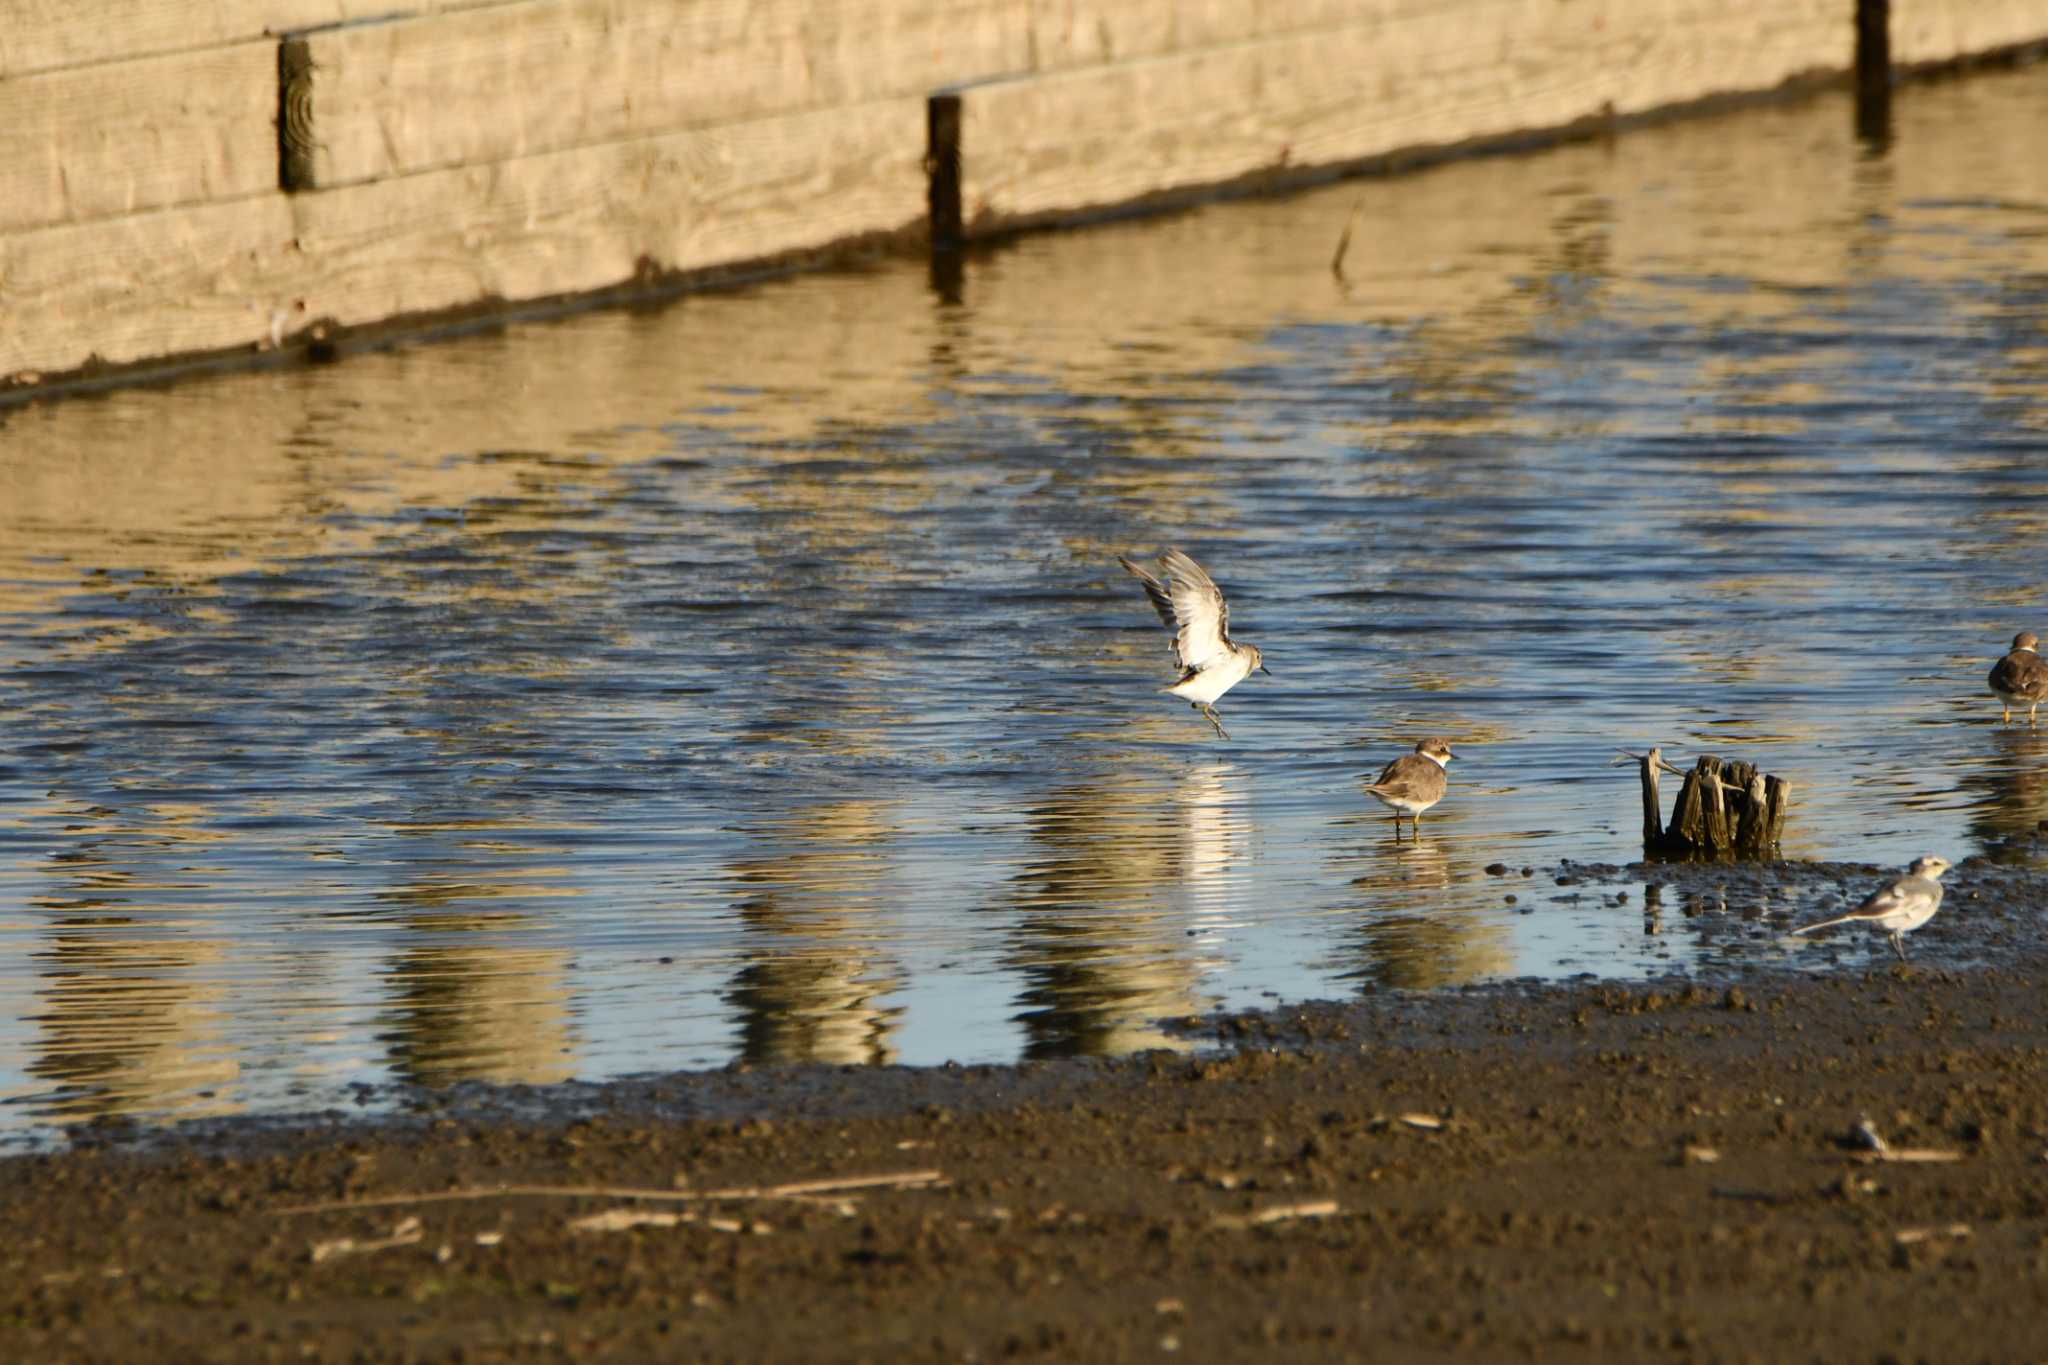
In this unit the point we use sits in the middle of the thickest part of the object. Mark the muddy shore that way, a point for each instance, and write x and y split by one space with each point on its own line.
1588 1171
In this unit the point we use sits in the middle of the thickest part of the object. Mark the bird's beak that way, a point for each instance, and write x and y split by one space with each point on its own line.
1265 670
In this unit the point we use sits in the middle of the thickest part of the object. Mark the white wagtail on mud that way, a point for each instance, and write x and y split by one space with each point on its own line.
1900 908
1192 606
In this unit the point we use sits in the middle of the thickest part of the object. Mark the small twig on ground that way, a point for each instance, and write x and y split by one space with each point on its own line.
1908 1236
797 1190
405 1234
619 1220
1278 1213
1906 1154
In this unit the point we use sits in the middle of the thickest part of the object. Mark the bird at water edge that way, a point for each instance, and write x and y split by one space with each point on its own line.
1412 783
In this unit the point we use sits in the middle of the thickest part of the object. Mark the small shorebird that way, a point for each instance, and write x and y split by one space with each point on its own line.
1414 782
1900 908
1192 606
2020 677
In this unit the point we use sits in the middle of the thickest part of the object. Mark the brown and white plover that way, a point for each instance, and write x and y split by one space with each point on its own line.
2021 677
1412 783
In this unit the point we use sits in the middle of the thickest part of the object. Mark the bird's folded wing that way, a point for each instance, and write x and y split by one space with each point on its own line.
1880 902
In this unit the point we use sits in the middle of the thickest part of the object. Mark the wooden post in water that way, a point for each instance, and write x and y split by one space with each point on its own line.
942 169
1723 809
1874 72
1653 805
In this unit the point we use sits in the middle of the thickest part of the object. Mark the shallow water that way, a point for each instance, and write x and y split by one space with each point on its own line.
752 678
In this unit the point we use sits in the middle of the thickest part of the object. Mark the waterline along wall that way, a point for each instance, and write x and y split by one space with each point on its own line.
204 178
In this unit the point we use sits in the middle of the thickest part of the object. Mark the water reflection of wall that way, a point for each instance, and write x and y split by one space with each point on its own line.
816 962
468 995
130 1016
1128 873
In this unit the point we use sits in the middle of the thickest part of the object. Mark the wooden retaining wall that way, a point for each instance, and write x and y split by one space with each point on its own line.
182 178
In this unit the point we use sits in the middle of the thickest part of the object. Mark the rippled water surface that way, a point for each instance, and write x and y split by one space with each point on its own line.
752 678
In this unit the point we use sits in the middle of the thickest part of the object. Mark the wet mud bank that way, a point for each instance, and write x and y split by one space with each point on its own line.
1845 1161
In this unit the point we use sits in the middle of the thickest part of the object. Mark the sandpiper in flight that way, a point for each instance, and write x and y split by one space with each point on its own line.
1192 606
1900 908
2021 677
1412 783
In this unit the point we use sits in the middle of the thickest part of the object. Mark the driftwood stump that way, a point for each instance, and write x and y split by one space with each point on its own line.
1724 809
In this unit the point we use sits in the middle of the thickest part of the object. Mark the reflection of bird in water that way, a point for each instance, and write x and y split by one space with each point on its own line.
1414 782
1406 865
2021 677
2009 785
1407 932
1192 606
1900 908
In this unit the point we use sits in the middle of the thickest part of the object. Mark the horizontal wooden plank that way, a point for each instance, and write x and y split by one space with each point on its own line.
1945 30
124 137
412 95
1071 33
47 35
421 93
1043 146
144 285
222 276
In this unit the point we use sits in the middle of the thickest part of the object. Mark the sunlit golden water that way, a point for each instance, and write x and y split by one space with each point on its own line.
752 678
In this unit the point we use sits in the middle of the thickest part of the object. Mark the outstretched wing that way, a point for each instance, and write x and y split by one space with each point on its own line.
1191 606
1199 610
1162 602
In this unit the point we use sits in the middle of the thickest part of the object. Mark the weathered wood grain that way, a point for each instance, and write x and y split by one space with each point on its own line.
511 80
126 137
1041 146
1070 33
143 285
1944 30
47 35
486 85
222 276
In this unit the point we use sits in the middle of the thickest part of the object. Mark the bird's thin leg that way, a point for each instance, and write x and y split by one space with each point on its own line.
1210 713
2030 712
1899 947
2007 720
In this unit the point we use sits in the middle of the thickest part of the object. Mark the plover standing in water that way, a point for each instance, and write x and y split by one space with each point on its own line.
1900 908
1412 783
1192 606
2021 677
